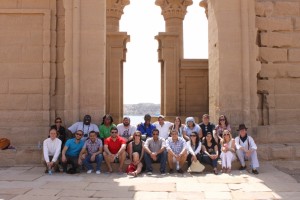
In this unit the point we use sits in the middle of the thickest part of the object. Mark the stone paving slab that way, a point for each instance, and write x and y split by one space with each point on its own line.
115 193
217 195
43 192
65 185
7 196
252 195
13 191
288 195
31 197
140 195
186 195
77 193
105 186
154 187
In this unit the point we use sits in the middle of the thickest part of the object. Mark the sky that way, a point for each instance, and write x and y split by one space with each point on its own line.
142 20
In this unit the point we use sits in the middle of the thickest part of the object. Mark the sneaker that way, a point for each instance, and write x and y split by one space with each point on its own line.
89 171
254 171
98 172
171 171
163 173
180 171
243 167
149 173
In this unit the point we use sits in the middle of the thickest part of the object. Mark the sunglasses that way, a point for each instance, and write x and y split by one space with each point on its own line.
58 122
193 135
138 135
222 120
225 134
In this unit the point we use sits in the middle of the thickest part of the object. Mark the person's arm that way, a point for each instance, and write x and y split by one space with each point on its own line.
184 134
216 150
82 152
252 144
204 150
168 147
107 150
57 150
130 150
189 148
232 149
200 133
184 149
123 147
237 145
198 148
146 146
142 153
163 146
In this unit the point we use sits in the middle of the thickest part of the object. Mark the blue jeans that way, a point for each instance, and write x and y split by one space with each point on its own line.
87 162
161 158
208 160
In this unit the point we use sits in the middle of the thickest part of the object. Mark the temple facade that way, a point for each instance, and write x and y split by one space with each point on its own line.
65 58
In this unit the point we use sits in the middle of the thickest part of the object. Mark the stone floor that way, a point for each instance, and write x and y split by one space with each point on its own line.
30 183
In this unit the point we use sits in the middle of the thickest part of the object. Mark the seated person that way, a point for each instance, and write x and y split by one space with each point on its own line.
163 126
86 127
190 126
177 151
51 151
206 126
126 130
155 151
194 148
210 151
136 148
61 131
105 126
146 128
114 150
70 153
246 149
93 148
227 151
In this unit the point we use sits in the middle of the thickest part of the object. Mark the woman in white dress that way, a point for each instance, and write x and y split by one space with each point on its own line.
227 151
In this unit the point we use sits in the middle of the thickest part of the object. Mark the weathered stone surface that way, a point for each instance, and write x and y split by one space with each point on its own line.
44 192
25 86
286 8
264 8
272 39
281 151
274 23
273 54
294 55
77 193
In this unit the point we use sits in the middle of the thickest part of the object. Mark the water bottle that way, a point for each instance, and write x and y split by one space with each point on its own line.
50 172
177 165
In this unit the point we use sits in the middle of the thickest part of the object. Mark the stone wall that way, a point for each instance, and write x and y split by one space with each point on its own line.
27 60
278 24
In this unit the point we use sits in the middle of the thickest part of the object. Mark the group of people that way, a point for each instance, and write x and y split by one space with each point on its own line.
163 142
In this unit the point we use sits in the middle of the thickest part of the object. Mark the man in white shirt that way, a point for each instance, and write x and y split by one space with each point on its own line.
246 149
163 126
126 130
51 151
86 126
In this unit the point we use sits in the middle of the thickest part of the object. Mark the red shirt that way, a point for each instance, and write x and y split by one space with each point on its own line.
114 146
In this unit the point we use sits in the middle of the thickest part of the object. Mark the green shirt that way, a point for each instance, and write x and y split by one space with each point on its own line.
104 132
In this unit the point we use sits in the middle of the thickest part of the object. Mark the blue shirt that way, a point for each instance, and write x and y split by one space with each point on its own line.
73 147
146 130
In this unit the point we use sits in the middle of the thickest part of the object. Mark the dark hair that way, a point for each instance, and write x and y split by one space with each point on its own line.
212 139
155 130
113 128
173 127
107 116
57 118
54 130
226 121
197 139
92 132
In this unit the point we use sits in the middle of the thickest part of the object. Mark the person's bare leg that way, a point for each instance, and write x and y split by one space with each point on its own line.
107 161
122 157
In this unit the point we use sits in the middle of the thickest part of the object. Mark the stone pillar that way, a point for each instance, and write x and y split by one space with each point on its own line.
170 52
84 64
232 61
115 56
174 12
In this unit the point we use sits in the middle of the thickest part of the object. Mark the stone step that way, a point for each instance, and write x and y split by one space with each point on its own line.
279 151
277 134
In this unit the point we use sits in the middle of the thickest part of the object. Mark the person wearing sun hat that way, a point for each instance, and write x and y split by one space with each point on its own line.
246 149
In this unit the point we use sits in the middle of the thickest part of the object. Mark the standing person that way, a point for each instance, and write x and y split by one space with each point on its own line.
136 152
155 151
177 126
246 149
105 126
210 152
227 151
126 130
61 131
146 128
190 126
177 151
194 148
93 148
206 126
86 127
163 126
114 150
51 151
222 125
70 153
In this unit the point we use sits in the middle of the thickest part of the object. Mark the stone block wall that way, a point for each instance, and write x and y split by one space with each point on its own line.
27 62
279 42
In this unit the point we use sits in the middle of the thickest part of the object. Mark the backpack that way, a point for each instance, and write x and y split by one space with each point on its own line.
4 143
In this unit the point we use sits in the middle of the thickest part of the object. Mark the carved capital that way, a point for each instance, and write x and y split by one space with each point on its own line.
204 5
173 8
114 8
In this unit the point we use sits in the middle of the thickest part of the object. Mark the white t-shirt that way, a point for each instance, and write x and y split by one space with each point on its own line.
85 128
51 148
164 130
125 132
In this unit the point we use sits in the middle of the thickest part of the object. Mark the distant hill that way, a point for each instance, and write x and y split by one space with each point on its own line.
142 109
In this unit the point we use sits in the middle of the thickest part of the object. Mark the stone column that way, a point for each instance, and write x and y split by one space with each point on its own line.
232 61
170 52
115 56
174 12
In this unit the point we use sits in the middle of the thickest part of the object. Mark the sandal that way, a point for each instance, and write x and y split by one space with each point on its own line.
216 172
